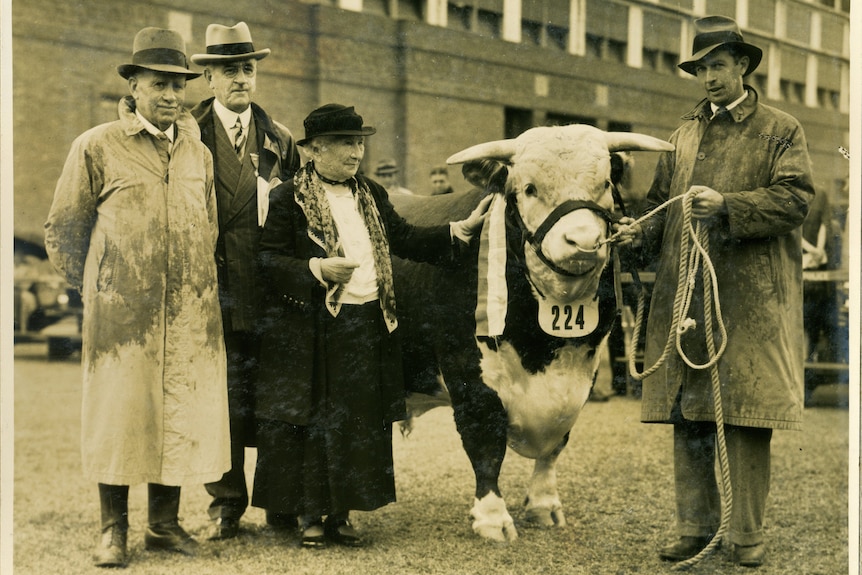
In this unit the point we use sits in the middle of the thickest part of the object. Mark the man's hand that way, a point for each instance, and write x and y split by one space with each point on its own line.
706 203
464 230
628 233
337 270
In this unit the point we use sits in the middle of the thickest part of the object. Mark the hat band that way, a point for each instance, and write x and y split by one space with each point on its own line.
707 39
231 49
160 56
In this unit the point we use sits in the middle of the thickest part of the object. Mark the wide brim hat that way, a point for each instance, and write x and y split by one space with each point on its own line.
713 32
334 120
229 44
159 50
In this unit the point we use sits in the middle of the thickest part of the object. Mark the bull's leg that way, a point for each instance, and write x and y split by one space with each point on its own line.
543 506
481 421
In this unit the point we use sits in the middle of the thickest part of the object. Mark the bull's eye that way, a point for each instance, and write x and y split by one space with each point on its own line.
530 190
607 184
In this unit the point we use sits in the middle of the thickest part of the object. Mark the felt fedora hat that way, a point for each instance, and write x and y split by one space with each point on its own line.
229 44
334 120
159 50
713 32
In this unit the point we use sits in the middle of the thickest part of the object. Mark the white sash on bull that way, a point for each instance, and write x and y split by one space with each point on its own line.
492 296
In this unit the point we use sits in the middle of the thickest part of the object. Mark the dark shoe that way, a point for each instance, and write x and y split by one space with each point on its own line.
285 521
111 548
223 528
313 536
169 537
683 548
340 531
749 555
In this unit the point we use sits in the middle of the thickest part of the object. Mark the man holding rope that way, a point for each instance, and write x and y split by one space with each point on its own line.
732 369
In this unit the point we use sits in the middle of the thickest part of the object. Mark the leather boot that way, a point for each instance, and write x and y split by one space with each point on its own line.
164 531
111 547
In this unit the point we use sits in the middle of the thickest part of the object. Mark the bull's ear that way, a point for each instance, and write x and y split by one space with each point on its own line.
631 141
501 150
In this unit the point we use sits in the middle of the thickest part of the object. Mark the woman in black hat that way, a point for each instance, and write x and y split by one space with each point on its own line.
331 381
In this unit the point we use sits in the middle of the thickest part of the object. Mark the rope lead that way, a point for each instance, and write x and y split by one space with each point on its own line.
694 254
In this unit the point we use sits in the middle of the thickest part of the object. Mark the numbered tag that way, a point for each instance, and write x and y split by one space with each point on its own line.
576 319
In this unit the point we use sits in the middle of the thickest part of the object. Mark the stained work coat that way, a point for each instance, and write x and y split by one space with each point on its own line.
137 238
757 158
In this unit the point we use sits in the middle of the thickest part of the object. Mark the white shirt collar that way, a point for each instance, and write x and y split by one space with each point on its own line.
149 127
228 117
730 106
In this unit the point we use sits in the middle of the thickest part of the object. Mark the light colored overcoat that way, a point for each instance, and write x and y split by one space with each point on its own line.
757 158
138 238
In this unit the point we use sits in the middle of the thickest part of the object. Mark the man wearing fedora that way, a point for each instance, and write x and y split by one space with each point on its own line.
251 153
746 165
133 226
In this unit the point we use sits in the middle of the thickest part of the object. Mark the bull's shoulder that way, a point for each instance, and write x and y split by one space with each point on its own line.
436 210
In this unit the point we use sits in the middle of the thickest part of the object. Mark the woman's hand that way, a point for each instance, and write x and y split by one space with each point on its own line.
465 229
337 270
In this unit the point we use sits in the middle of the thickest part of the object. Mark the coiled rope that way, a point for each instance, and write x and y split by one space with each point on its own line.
694 254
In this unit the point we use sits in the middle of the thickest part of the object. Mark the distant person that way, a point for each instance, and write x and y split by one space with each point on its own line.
331 381
133 226
251 153
386 172
820 297
439 178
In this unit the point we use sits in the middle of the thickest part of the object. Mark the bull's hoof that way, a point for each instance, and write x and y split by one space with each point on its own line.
544 517
491 519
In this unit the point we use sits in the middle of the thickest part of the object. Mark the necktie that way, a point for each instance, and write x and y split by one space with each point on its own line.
719 112
239 138
163 146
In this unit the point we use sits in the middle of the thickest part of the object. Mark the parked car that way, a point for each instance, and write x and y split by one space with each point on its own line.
47 308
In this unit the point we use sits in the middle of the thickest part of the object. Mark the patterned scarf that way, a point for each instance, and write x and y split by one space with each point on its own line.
311 197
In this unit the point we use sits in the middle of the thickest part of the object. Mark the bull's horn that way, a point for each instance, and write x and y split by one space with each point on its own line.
502 150
631 141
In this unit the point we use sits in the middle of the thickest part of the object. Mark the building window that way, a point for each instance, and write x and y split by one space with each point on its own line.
828 99
793 92
460 17
651 59
531 33
619 126
555 119
595 46
517 121
616 51
558 37
489 23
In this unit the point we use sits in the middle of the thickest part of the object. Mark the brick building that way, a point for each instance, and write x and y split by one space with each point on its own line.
434 76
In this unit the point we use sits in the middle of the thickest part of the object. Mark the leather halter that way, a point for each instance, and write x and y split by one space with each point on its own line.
536 238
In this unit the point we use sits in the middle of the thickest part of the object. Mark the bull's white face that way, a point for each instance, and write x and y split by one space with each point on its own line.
551 166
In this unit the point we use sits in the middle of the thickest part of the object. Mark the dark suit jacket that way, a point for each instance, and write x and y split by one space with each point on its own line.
295 304
236 193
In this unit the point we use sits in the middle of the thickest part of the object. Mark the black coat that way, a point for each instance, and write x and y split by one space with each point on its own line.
239 232
295 305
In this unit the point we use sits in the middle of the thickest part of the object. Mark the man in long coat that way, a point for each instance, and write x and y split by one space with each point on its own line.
748 165
133 226
251 153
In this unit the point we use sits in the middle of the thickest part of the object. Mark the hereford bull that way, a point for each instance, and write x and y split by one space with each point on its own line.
514 333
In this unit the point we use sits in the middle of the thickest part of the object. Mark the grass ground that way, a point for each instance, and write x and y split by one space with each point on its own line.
614 479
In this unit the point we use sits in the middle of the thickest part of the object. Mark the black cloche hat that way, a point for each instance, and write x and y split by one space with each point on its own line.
334 120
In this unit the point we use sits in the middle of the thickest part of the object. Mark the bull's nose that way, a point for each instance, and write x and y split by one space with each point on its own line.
583 239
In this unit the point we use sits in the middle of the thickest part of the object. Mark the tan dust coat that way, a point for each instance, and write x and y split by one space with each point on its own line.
757 158
138 240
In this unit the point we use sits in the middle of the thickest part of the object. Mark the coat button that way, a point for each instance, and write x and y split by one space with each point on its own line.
701 156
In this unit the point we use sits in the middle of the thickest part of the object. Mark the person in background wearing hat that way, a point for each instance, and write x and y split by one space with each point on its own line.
251 153
133 226
386 171
747 166
331 380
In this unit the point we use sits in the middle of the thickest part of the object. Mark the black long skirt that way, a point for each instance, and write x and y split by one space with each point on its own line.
342 461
